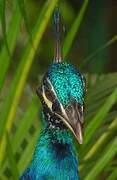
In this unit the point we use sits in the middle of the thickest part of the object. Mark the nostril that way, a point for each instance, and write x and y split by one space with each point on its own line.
49 94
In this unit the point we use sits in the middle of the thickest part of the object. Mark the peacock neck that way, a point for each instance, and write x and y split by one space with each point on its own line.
55 139
57 136
54 136
54 154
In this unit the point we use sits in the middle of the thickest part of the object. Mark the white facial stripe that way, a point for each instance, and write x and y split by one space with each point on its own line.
49 103
65 121
51 85
67 124
62 108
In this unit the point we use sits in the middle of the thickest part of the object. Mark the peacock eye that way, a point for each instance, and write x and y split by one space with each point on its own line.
46 84
48 89
56 106
49 94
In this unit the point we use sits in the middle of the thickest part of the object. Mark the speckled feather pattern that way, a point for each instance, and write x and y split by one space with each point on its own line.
54 158
67 82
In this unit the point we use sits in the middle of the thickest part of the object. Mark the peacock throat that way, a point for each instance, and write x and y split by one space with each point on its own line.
54 157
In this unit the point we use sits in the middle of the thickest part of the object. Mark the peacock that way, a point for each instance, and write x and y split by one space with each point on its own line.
62 94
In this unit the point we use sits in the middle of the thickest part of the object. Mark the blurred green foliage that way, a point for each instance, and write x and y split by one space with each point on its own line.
26 50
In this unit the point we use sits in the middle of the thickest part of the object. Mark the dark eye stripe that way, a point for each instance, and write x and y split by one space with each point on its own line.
48 90
49 94
46 84
56 106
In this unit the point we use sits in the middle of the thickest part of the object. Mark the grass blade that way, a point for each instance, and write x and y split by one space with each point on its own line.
107 44
103 161
29 116
5 58
102 139
24 161
3 23
11 160
74 29
21 4
95 123
106 84
113 175
23 127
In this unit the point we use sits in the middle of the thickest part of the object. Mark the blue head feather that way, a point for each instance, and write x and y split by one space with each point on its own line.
67 82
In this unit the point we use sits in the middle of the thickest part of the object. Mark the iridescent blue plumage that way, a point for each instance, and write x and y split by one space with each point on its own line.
53 159
67 82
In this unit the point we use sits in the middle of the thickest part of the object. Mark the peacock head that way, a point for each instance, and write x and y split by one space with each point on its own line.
62 91
62 94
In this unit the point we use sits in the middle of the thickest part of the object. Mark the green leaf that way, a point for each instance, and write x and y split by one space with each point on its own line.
74 29
24 161
101 48
3 23
11 160
97 94
113 175
102 87
23 127
12 33
21 4
103 161
29 116
102 139
97 120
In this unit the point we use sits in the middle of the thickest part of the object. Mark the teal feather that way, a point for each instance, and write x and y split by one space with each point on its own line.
54 157
67 82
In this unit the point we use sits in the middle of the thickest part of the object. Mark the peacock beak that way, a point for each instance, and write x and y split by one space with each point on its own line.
75 119
72 116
